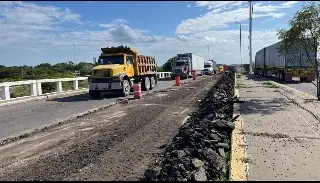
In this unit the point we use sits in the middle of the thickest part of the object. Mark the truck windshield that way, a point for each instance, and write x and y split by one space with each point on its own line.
207 66
115 59
179 63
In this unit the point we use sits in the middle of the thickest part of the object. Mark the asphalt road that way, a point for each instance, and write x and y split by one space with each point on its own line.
309 88
117 143
20 118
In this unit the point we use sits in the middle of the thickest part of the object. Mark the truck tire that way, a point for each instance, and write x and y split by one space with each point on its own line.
94 93
152 82
146 84
125 88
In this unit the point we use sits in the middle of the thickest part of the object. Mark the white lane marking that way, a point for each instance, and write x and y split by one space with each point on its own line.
184 111
185 119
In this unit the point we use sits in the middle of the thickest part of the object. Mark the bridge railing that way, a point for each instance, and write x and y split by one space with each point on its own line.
36 89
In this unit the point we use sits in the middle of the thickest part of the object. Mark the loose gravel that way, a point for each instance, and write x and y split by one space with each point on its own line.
200 151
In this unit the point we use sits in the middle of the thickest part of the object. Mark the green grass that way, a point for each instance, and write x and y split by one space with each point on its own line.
269 84
239 85
20 91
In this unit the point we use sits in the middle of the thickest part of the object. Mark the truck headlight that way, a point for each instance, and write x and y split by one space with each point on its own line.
116 78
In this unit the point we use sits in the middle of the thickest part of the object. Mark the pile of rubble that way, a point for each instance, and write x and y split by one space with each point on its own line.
199 151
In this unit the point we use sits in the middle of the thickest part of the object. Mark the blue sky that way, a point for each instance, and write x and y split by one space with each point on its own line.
35 32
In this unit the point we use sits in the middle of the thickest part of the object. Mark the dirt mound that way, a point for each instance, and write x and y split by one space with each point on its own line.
201 149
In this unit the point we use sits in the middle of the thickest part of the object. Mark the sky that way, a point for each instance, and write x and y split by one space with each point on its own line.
46 32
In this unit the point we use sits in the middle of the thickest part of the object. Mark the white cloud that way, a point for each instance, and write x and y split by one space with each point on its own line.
220 15
45 40
189 6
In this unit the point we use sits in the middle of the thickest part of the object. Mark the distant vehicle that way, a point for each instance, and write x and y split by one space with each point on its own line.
210 66
118 67
184 64
221 69
295 63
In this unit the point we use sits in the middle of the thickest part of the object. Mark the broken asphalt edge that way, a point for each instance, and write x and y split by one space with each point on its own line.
238 168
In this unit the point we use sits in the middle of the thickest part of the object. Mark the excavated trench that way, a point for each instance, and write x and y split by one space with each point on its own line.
201 149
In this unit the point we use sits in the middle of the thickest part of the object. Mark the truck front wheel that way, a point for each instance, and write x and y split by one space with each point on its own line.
125 88
94 93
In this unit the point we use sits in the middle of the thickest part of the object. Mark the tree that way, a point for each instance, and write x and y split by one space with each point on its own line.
304 34
167 67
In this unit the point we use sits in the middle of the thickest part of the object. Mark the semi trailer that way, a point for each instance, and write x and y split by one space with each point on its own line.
295 63
117 69
184 64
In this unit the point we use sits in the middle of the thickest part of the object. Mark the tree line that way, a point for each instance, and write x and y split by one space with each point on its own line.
44 71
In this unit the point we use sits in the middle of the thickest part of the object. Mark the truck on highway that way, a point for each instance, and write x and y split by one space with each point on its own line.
184 64
221 69
210 66
224 68
295 63
117 69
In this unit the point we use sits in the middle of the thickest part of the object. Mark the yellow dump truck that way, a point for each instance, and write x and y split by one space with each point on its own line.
221 69
118 67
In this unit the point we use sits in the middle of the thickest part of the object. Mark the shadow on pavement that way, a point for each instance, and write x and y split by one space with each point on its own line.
264 107
85 97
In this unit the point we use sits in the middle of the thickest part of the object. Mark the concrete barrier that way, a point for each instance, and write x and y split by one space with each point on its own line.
36 89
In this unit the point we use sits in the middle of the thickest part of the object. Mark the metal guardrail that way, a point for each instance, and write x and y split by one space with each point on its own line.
36 89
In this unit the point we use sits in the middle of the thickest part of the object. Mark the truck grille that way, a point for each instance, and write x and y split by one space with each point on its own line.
100 80
102 73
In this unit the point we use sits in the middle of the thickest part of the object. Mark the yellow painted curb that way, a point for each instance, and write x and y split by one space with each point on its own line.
238 168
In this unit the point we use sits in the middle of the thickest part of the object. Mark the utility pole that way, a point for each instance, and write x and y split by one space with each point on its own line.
208 52
240 49
74 52
250 36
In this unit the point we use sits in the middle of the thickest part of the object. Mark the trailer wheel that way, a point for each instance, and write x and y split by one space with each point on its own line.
282 78
303 79
125 88
152 82
146 84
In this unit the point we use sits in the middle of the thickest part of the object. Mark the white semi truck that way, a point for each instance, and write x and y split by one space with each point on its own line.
184 64
210 66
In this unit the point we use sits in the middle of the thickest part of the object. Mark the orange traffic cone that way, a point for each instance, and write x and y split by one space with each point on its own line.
177 81
137 90
194 75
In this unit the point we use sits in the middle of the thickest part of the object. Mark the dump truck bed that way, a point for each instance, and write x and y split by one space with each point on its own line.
145 65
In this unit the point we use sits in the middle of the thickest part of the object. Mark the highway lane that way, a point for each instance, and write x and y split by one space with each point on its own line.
19 118
308 88
303 87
